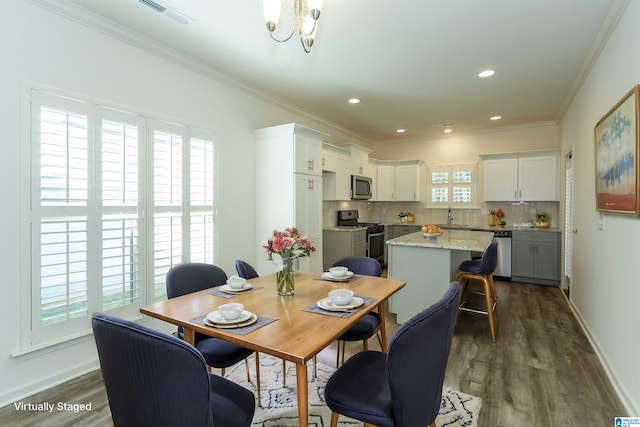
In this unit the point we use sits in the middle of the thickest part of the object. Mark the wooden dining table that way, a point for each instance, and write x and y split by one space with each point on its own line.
297 335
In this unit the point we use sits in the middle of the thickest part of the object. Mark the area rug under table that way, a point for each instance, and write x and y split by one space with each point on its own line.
279 403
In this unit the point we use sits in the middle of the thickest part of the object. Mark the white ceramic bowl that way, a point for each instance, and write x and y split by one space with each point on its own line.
341 296
338 271
236 282
231 310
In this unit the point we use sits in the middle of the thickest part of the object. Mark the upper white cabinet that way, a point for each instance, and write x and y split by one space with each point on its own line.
373 173
289 189
336 177
359 160
308 154
401 181
525 177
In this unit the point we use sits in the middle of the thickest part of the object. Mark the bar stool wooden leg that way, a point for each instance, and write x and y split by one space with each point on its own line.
495 296
489 301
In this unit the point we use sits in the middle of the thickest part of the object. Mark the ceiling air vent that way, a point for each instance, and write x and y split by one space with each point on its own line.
153 5
164 10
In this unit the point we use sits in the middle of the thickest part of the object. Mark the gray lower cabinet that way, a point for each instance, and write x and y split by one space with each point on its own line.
342 243
535 257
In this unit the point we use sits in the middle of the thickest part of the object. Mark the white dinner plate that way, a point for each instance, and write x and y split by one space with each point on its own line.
327 304
228 289
215 317
253 319
348 275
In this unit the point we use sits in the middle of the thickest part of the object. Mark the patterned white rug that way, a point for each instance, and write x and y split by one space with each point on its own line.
280 402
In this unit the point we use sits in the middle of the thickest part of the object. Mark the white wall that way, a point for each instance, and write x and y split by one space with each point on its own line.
466 148
605 288
41 47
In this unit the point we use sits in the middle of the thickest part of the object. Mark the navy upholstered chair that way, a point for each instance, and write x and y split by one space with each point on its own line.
245 270
193 277
403 387
369 325
482 271
155 379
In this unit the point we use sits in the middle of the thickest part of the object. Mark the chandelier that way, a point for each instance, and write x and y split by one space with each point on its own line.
305 15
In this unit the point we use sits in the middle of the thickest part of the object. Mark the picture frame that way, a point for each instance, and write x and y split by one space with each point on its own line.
616 138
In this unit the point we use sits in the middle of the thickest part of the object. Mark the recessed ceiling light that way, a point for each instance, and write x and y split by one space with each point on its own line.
495 118
354 101
448 130
400 130
486 73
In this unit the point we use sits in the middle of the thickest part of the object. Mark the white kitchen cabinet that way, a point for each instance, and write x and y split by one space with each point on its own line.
288 189
308 217
308 155
521 178
402 181
336 177
359 160
373 173
386 180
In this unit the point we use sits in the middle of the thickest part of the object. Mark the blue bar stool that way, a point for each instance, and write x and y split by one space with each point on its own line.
481 270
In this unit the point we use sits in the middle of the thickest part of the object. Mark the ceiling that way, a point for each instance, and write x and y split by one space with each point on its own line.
413 63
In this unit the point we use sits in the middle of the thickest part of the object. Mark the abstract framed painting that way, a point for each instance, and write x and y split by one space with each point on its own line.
616 155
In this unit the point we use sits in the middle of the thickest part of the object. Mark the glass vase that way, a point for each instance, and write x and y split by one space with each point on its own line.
285 278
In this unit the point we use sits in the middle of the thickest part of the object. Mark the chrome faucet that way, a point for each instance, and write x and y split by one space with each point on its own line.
449 216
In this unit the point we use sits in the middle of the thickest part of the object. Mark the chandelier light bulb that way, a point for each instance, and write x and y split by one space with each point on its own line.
309 27
271 10
315 7
304 20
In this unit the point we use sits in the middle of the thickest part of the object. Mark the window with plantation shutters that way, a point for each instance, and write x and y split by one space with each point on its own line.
102 180
452 186
61 205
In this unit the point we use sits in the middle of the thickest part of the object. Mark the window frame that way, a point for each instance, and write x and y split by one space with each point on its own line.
450 169
34 334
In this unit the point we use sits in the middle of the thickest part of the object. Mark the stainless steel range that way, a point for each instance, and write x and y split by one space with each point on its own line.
375 233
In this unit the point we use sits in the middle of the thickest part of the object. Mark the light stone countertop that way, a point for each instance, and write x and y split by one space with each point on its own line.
482 227
342 228
464 240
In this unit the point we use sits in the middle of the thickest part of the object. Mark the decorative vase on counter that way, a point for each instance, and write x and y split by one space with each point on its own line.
286 278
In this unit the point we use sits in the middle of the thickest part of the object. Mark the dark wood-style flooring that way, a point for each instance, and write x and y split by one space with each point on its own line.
541 372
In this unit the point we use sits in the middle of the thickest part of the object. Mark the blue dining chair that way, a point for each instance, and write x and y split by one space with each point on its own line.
155 379
193 277
369 325
481 270
403 387
245 270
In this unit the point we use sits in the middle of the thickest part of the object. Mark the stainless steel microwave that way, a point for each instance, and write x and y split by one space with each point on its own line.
361 187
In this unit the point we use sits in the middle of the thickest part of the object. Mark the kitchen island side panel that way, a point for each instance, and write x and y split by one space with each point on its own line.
427 273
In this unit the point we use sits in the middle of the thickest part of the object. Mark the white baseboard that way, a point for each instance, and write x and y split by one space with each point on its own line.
25 390
630 406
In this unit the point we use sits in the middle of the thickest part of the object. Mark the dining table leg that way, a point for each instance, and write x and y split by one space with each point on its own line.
303 394
189 336
383 326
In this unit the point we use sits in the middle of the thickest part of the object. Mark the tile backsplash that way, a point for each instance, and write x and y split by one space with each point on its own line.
515 213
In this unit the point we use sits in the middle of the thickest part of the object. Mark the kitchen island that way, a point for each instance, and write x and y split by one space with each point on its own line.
427 266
